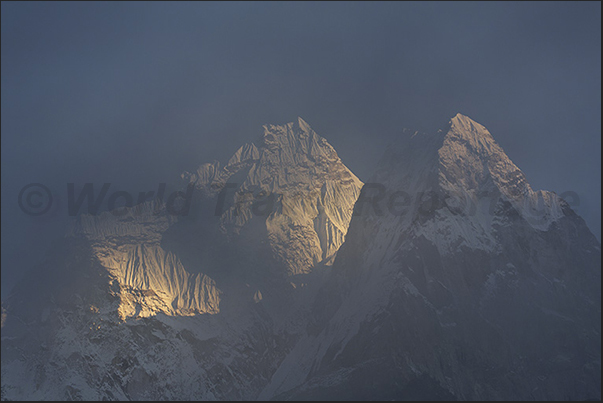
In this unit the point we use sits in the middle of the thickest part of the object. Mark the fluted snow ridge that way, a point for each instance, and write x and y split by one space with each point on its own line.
314 193
151 280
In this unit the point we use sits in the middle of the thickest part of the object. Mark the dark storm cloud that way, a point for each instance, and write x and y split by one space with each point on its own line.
133 94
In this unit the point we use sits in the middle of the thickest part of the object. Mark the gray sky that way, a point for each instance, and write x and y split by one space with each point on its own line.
135 93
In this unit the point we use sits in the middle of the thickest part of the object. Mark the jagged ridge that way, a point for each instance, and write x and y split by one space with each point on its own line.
314 193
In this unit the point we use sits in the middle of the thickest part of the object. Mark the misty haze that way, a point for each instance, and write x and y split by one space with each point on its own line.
301 201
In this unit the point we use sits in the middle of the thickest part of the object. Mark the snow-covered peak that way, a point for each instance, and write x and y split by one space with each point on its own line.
299 127
470 157
288 156
472 163
466 123
469 176
292 141
302 124
314 192
475 135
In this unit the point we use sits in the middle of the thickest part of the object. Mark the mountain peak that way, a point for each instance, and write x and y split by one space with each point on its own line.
459 118
466 127
302 124
314 192
466 138
297 124
287 134
464 162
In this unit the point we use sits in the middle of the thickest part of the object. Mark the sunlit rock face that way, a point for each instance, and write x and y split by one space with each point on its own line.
299 186
477 288
149 279
145 304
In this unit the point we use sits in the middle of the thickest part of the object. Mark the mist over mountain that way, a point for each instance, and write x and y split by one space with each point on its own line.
134 94
444 276
149 305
